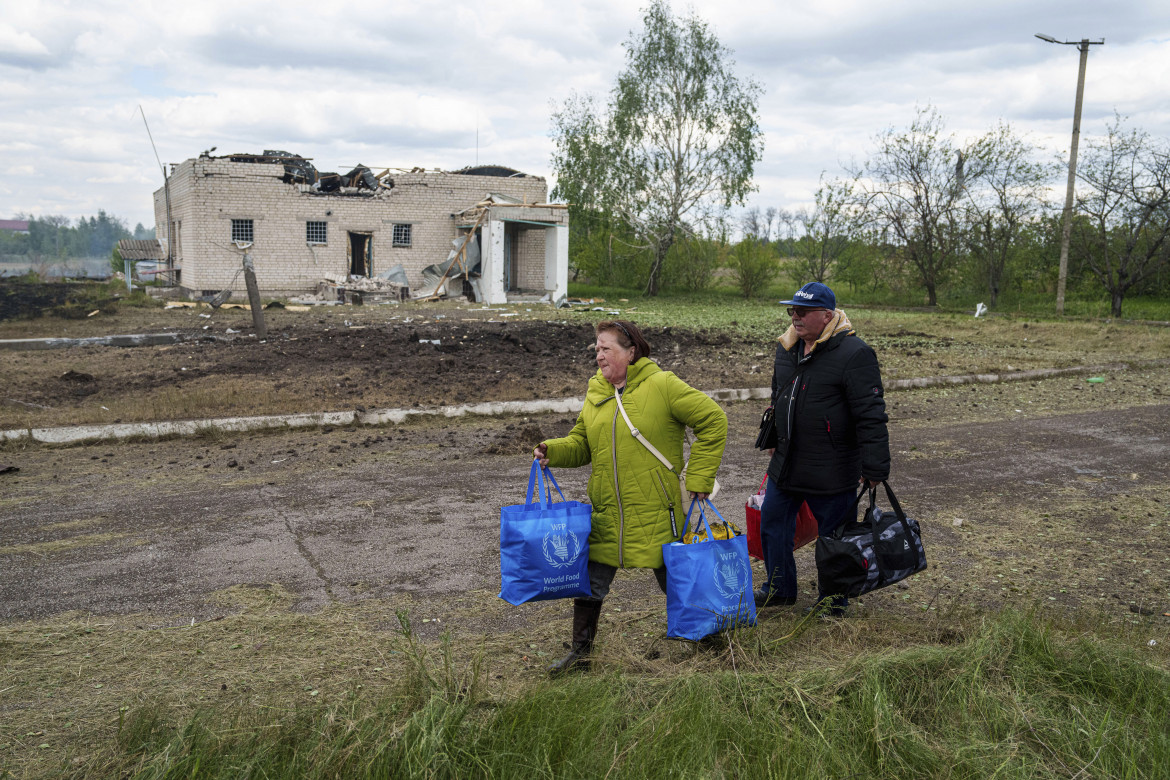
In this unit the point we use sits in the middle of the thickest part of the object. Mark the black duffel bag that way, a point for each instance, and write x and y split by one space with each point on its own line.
881 549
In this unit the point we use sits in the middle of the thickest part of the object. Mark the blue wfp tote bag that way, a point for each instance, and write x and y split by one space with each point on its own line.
544 545
708 583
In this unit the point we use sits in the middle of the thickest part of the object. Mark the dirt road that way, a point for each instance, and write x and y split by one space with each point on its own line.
1050 509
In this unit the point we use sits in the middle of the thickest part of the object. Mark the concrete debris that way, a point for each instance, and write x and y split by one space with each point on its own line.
360 178
357 290
134 340
299 170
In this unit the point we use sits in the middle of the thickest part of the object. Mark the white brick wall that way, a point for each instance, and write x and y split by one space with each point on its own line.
207 193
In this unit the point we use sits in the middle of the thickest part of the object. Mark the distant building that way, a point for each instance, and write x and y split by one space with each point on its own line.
145 256
14 225
301 226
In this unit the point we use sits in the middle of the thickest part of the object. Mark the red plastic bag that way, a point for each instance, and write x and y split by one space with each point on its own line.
806 524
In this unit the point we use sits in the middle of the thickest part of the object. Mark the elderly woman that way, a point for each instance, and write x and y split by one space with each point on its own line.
637 501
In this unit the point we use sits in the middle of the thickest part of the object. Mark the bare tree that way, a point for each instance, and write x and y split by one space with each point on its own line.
913 187
761 226
1123 235
1009 192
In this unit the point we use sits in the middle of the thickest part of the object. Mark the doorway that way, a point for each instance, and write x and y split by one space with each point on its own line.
511 257
361 254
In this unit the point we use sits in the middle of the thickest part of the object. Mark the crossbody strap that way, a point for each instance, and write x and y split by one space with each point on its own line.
638 434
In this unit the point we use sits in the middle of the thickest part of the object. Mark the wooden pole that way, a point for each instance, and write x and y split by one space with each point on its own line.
458 257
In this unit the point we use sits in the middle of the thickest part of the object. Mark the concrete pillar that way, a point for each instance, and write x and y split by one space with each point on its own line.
492 262
556 261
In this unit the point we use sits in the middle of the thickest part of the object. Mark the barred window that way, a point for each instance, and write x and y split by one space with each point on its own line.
315 232
242 230
401 236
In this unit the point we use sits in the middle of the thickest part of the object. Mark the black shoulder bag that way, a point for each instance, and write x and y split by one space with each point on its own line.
882 548
766 440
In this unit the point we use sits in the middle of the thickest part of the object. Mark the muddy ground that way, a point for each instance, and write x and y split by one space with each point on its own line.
327 360
237 567
374 357
344 514
1019 501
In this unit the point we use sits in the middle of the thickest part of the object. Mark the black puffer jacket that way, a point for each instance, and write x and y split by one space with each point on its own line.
830 417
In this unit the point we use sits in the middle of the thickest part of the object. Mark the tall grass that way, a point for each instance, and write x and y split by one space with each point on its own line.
1017 698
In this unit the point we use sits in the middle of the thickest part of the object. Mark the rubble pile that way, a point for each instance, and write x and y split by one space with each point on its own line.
357 290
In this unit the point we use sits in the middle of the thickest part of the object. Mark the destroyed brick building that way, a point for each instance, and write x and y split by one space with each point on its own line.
301 226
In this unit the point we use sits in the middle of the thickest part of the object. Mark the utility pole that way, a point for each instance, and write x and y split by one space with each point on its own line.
166 196
1066 222
260 328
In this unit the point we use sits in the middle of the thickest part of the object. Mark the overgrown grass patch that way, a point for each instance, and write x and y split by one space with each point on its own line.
269 693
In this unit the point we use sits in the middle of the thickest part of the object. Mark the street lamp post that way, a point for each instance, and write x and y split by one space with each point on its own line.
1066 226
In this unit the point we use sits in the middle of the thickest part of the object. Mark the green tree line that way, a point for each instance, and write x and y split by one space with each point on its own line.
652 177
54 238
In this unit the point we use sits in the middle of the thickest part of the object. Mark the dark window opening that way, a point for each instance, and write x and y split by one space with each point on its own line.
242 230
401 237
316 232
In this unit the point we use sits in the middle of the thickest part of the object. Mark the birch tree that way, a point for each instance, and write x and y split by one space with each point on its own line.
676 144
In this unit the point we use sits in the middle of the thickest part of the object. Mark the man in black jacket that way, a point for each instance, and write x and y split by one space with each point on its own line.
830 434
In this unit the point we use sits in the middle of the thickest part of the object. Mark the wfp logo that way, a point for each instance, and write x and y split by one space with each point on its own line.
561 550
732 576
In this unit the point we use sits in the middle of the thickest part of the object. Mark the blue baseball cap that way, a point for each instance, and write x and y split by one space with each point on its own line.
814 295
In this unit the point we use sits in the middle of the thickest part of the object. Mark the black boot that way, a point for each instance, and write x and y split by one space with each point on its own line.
585 617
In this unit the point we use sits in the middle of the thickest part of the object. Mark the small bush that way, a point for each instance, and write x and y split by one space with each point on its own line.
691 264
754 266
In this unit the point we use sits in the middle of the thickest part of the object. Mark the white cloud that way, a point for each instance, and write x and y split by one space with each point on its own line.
20 43
401 84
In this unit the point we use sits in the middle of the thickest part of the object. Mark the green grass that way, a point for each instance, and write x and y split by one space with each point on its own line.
1015 304
1016 697
964 343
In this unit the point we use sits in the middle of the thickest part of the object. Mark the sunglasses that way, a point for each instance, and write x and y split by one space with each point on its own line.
792 312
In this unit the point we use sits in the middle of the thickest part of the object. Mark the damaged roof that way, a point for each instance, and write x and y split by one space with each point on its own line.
500 171
300 170
141 249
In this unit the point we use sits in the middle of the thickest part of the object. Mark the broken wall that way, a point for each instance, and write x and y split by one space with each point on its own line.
181 184
207 193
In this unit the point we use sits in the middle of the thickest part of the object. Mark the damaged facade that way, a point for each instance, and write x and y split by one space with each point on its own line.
301 226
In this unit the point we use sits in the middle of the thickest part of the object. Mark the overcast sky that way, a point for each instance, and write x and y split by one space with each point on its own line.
448 84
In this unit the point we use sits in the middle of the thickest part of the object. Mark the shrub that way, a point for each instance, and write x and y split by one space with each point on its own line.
754 266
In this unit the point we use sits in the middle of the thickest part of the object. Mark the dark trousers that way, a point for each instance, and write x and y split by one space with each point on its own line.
601 577
778 533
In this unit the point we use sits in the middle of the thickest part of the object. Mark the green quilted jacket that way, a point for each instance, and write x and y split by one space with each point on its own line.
633 495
